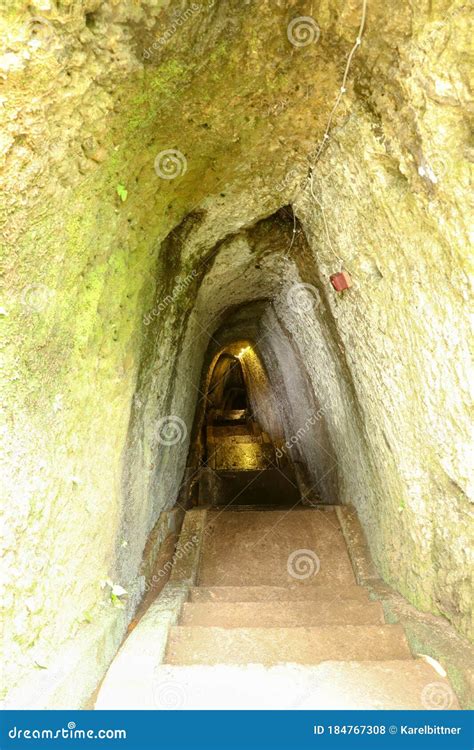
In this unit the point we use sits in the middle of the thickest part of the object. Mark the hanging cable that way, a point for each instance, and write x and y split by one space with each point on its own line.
343 88
293 235
324 141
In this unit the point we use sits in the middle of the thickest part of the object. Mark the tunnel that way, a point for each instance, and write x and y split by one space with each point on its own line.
237 329
242 461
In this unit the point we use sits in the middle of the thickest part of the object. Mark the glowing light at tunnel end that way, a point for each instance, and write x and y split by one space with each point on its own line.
243 352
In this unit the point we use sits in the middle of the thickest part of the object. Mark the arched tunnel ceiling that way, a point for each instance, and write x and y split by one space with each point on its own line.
120 273
128 105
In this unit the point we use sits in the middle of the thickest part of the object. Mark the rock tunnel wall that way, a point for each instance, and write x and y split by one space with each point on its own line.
120 265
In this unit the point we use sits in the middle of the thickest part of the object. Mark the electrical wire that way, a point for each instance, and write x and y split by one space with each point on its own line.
342 89
325 138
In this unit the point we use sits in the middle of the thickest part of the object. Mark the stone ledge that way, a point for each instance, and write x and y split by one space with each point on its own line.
427 634
169 522
433 636
133 668
364 568
188 549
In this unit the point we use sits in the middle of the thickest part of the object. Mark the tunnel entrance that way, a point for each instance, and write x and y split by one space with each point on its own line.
240 461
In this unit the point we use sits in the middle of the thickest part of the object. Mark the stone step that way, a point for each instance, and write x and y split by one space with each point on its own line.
303 645
247 456
240 439
218 432
277 593
281 614
257 487
331 685
222 417
274 548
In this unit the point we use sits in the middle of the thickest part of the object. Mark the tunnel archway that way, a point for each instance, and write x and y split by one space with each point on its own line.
237 460
227 387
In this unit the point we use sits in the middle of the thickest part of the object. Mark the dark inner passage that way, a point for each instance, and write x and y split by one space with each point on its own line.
241 463
227 391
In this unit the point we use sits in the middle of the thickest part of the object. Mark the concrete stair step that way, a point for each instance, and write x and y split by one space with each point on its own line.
234 439
229 487
281 614
273 548
232 456
217 433
303 645
331 685
277 593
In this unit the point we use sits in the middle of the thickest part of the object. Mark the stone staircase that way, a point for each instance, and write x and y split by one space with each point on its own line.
238 447
276 620
242 468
